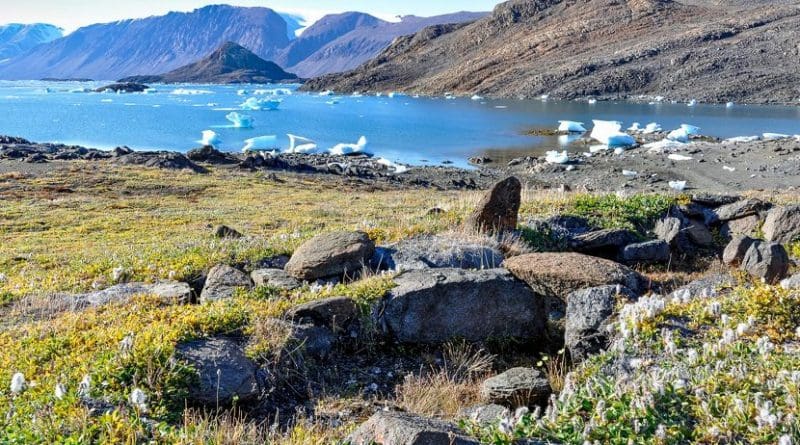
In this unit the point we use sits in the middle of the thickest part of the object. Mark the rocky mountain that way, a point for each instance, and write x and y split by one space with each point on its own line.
16 38
230 63
708 50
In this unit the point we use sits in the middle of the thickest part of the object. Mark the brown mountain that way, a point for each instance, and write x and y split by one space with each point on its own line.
230 63
708 50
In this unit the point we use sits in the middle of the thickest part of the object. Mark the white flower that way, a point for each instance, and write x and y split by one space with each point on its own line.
126 344
85 386
18 383
715 309
3 278
139 399
661 432
785 440
764 346
724 319
742 328
60 391
505 427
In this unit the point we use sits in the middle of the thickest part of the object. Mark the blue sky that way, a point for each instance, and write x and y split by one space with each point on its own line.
72 14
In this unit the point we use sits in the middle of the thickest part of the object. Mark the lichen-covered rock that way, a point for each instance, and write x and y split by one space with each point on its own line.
274 277
517 387
335 313
498 210
331 254
588 314
736 249
782 224
222 282
737 210
656 251
768 261
170 292
440 251
606 243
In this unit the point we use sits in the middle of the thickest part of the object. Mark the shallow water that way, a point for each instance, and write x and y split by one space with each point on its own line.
416 131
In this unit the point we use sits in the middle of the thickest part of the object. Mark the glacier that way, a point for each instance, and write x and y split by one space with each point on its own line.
299 144
348 149
571 127
609 133
240 120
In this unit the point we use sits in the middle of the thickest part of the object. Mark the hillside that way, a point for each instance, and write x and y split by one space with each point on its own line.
606 48
230 63
16 38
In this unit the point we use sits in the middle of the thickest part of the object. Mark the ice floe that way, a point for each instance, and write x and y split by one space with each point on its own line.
347 149
592 101
556 157
261 143
333 102
571 127
741 139
635 127
189 92
395 167
242 93
256 104
775 136
730 105
677 185
651 128
609 133
692 103
677 157
326 93
273 92
240 120
299 144
210 138
683 133
664 146
476 97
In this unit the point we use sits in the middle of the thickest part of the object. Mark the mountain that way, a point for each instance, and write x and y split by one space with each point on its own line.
708 50
344 41
230 63
16 38
154 44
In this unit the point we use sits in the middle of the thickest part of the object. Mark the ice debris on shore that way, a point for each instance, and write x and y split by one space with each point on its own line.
741 139
775 136
678 186
210 138
571 127
300 144
256 104
692 103
240 120
683 133
730 105
395 167
347 149
261 143
555 157
651 128
677 157
635 127
610 133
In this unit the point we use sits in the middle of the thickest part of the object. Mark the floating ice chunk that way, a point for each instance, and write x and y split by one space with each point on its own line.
775 136
501 107
357 94
609 133
255 104
108 101
544 97
651 128
592 101
664 146
730 105
210 138
80 90
677 157
333 102
189 92
677 185
347 149
727 168
240 120
450 96
394 94
692 103
571 127
273 92
299 144
629 173
636 127
326 93
476 97
397 168
555 157
741 139
242 93
261 143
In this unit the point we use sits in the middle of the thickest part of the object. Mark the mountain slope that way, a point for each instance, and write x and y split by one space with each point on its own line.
230 63
16 38
577 48
154 44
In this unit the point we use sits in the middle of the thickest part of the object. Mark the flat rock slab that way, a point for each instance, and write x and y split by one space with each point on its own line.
168 291
274 277
437 305
517 387
440 251
607 243
335 313
737 210
648 252
394 428
331 254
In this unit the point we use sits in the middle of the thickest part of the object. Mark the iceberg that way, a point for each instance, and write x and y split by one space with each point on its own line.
348 149
677 157
730 105
741 139
273 92
636 127
609 133
775 136
261 143
684 133
571 127
555 157
356 94
664 146
299 144
210 138
80 90
240 120
189 92
544 97
592 101
394 94
692 103
255 104
326 93
397 168
677 185
651 128
333 102
241 93
476 97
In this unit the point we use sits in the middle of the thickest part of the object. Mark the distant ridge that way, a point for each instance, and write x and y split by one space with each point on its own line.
16 38
230 63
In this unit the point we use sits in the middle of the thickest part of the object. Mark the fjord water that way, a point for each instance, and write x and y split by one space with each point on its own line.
412 130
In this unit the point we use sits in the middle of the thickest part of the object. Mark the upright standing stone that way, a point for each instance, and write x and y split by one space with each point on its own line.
499 209
783 224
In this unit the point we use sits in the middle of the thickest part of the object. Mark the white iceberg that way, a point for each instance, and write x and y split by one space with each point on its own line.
692 103
189 92
677 157
555 157
256 104
636 127
544 97
684 133
273 92
677 185
210 138
241 93
347 149
333 102
592 101
80 90
775 136
651 128
609 133
730 105
476 97
261 143
395 167
664 146
299 144
326 93
356 94
741 139
394 94
571 127
240 120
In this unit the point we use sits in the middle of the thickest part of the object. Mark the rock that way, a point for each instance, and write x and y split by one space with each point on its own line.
211 155
331 254
703 288
742 226
737 210
671 230
499 208
223 369
656 251
782 224
164 160
395 428
275 278
713 200
699 233
485 415
588 314
170 292
438 251
334 313
123 87
222 282
222 231
766 260
437 305
736 249
791 283
121 151
294 340
607 243
517 387
558 274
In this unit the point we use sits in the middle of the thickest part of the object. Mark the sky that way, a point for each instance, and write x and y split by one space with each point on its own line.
72 14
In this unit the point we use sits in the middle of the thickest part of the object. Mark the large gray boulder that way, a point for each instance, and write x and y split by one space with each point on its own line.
589 312
743 226
331 254
440 251
437 305
768 261
706 287
222 282
648 252
335 313
737 210
606 243
499 209
699 233
170 292
223 371
736 249
672 230
277 278
517 387
782 224
395 428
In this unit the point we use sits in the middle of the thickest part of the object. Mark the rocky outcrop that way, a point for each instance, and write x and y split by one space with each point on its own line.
517 387
170 292
331 254
498 210
166 160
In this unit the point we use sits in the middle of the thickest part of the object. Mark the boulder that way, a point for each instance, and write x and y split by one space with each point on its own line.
287 339
791 283
223 231
588 314
714 200
222 282
224 372
736 249
499 208
742 226
768 261
737 210
656 251
211 155
437 305
782 224
485 415
334 313
671 230
699 233
606 243
275 278
704 287
395 428
168 291
517 387
438 251
331 254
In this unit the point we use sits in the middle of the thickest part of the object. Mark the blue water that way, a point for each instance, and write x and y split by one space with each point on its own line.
416 131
